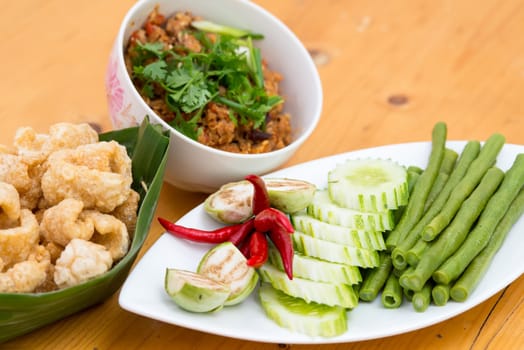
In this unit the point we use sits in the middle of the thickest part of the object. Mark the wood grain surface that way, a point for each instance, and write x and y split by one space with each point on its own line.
389 69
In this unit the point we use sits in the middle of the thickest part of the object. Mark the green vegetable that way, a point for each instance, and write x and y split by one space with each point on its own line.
318 270
421 299
212 27
289 195
414 253
325 210
368 185
311 318
470 278
376 278
194 292
232 202
400 252
332 294
392 295
486 158
227 71
308 225
415 207
486 224
440 294
226 264
455 233
446 167
334 252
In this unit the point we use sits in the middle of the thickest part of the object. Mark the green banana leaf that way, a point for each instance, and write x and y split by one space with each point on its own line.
23 313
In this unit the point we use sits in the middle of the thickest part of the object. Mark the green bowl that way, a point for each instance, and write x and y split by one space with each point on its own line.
23 313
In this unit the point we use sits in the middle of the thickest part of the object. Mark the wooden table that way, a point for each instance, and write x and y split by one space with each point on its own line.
390 70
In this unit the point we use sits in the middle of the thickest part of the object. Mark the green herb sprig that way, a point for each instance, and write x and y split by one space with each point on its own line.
228 71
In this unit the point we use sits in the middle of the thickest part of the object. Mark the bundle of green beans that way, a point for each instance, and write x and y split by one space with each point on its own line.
460 210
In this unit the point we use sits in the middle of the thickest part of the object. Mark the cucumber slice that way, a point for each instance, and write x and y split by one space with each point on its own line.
339 234
194 292
369 184
312 319
225 263
332 294
318 270
334 252
326 210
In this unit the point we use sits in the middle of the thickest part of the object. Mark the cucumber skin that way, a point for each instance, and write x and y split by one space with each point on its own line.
318 270
325 210
308 318
332 294
334 252
339 234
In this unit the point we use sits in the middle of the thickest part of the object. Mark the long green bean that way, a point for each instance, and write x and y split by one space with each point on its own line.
376 278
415 207
477 239
412 177
467 156
440 294
455 233
446 167
487 157
414 253
470 278
421 299
392 295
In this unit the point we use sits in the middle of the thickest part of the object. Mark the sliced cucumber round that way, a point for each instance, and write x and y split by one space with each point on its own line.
333 294
339 234
225 263
324 209
318 270
334 252
312 319
369 184
194 292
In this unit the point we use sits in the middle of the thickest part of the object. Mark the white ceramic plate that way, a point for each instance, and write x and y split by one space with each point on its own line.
143 292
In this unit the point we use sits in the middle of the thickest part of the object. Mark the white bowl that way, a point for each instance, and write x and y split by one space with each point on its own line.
191 165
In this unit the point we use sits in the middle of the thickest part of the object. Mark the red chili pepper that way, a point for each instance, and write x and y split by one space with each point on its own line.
260 195
214 236
282 240
268 218
242 232
258 249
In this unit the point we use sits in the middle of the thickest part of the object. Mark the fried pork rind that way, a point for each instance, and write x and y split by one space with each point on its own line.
26 276
66 208
16 243
9 204
15 171
109 232
64 222
81 261
37 147
98 174
127 212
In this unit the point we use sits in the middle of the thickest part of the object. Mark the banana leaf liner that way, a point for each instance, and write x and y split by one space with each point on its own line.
21 313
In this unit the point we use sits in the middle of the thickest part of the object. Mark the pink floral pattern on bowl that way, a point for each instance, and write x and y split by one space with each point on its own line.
119 110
